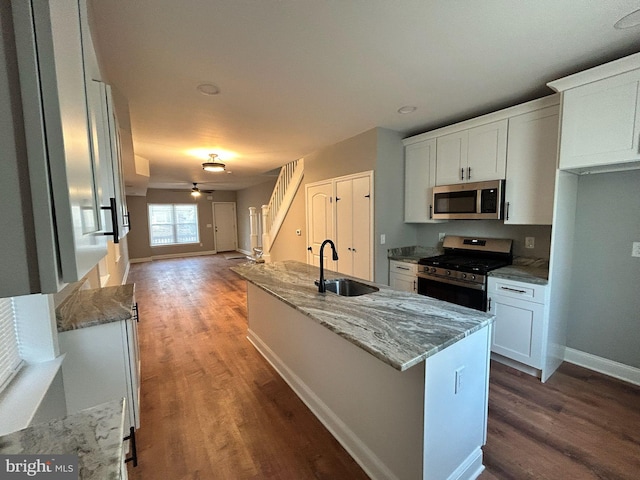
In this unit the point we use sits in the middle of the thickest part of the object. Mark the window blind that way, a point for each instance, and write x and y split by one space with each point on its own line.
10 360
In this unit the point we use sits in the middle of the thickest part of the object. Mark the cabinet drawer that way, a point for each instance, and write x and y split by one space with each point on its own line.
510 288
404 268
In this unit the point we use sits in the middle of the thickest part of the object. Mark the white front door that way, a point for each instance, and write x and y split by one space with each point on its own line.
225 234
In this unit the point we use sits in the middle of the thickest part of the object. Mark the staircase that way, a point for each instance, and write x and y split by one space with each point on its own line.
265 227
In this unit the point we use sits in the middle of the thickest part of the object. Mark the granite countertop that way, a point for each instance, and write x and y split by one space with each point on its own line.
87 308
401 329
95 435
412 254
523 269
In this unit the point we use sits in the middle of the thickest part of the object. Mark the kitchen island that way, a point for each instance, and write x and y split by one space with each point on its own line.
401 380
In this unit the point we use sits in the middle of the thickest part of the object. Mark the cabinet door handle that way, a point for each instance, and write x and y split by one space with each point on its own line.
128 224
507 212
403 268
469 173
430 212
462 174
515 290
114 220
414 285
136 312
367 196
134 451
310 249
489 305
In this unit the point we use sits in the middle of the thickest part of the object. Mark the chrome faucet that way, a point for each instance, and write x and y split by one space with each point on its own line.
321 287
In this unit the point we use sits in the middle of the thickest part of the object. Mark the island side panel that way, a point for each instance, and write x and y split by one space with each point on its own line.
373 410
456 408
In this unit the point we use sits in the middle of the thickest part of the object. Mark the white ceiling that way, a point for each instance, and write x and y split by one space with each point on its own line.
297 75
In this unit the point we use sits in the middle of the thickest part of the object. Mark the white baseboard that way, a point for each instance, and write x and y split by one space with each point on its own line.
603 365
471 468
363 456
172 255
141 260
246 252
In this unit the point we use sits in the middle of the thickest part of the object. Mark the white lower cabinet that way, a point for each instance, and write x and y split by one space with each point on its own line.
521 324
402 276
102 363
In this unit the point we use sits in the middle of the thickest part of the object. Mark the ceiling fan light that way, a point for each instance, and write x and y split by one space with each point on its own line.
195 191
212 165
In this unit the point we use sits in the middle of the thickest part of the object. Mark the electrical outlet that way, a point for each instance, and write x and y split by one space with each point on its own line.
529 242
441 236
635 249
383 239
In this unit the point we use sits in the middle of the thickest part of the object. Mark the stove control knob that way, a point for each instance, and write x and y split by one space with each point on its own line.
433 270
473 277
464 275
448 272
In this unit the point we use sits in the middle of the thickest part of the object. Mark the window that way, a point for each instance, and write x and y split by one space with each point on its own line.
10 360
172 224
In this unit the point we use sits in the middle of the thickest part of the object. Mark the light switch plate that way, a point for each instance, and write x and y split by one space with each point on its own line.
529 242
383 239
635 249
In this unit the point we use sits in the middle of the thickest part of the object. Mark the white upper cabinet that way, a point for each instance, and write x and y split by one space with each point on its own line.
601 117
472 155
64 190
419 180
531 167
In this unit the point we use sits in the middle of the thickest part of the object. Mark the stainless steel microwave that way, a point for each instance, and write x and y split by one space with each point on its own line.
469 201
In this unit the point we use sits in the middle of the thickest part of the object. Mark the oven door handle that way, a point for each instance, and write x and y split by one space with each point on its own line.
453 281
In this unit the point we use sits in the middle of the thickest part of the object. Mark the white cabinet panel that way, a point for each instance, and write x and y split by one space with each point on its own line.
419 180
67 220
472 155
531 167
402 276
521 324
102 363
601 117
517 332
451 158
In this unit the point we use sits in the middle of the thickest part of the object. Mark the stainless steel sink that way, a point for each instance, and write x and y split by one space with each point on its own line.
348 288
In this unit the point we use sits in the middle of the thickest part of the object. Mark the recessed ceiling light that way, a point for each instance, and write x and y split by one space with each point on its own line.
407 109
208 89
628 21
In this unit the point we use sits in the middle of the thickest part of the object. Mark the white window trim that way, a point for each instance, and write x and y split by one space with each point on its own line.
38 338
150 205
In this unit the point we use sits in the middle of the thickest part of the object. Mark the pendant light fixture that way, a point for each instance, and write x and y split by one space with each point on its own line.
195 191
213 165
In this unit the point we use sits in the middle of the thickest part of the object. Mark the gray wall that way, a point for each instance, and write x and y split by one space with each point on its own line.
138 238
605 291
255 196
389 201
428 234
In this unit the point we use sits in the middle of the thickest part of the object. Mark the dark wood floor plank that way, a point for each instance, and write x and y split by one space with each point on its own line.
213 408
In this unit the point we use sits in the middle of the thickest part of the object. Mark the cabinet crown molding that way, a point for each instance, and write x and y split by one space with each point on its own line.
549 100
611 69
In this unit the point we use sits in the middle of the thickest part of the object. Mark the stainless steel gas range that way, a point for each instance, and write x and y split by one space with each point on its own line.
460 275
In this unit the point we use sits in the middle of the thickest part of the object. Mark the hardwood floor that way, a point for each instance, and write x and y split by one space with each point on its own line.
213 408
